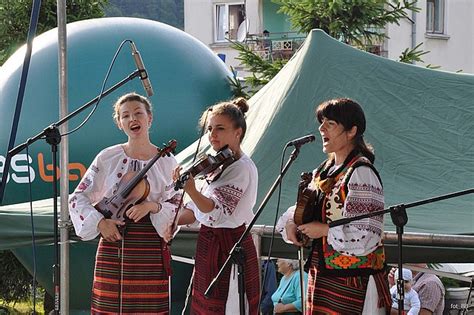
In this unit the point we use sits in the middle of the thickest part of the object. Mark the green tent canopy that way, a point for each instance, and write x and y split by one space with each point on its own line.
420 122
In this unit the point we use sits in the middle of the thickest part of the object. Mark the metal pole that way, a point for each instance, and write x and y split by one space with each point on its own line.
64 222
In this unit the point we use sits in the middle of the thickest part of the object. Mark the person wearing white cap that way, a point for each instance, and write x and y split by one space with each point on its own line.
411 301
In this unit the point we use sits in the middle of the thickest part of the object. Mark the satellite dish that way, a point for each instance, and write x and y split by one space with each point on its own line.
242 31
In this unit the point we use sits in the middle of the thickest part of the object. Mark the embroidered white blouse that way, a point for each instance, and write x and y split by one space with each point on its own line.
234 195
365 195
102 180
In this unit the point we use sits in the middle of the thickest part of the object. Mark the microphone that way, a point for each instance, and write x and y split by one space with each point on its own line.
300 141
143 74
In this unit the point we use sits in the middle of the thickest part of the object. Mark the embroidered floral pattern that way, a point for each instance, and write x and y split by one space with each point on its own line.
175 200
85 183
334 203
72 202
336 260
339 261
229 196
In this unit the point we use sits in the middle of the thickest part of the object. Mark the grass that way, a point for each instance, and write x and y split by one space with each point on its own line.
20 308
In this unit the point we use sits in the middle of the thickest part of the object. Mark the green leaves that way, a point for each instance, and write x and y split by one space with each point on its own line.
263 70
359 23
16 281
412 55
170 12
15 19
355 22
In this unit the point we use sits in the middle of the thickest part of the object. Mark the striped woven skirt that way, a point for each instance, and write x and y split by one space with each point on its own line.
133 279
331 295
213 247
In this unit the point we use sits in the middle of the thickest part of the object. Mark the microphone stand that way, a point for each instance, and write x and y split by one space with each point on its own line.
53 138
237 254
400 218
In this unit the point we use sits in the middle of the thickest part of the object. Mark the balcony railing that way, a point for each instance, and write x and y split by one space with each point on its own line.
271 46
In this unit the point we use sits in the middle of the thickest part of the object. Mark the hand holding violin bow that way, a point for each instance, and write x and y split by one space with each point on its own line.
205 165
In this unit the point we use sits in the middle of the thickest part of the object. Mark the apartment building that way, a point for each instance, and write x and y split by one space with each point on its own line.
445 27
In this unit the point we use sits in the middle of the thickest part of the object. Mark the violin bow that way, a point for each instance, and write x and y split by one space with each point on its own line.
203 127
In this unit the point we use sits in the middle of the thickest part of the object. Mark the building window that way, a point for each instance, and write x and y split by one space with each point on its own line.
228 19
435 16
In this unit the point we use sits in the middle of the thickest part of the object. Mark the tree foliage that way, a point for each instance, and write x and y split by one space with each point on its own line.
263 71
355 22
15 19
16 281
413 54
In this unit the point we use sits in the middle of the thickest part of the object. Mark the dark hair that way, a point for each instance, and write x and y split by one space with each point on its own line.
349 114
234 109
130 97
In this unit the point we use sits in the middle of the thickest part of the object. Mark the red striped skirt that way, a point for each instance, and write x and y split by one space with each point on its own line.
135 279
331 295
213 247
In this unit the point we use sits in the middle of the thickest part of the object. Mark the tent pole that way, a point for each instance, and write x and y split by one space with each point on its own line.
64 221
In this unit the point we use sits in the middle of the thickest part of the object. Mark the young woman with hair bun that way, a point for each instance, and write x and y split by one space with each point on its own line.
223 207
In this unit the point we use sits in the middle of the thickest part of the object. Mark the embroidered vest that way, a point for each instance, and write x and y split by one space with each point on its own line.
331 204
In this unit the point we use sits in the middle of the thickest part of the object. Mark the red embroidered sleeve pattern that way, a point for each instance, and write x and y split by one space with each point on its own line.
228 196
363 199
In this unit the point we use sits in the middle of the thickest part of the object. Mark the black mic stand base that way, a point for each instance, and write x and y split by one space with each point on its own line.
400 218
236 255
53 138
238 259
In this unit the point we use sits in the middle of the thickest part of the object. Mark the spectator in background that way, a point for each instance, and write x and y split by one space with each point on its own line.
269 287
287 298
430 291
411 302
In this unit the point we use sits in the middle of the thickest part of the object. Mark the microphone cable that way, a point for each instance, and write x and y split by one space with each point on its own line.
102 89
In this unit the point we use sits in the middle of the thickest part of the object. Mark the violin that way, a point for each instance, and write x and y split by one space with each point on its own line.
133 188
205 165
304 211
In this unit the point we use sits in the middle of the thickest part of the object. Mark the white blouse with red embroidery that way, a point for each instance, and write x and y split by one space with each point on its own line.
365 195
234 194
102 180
